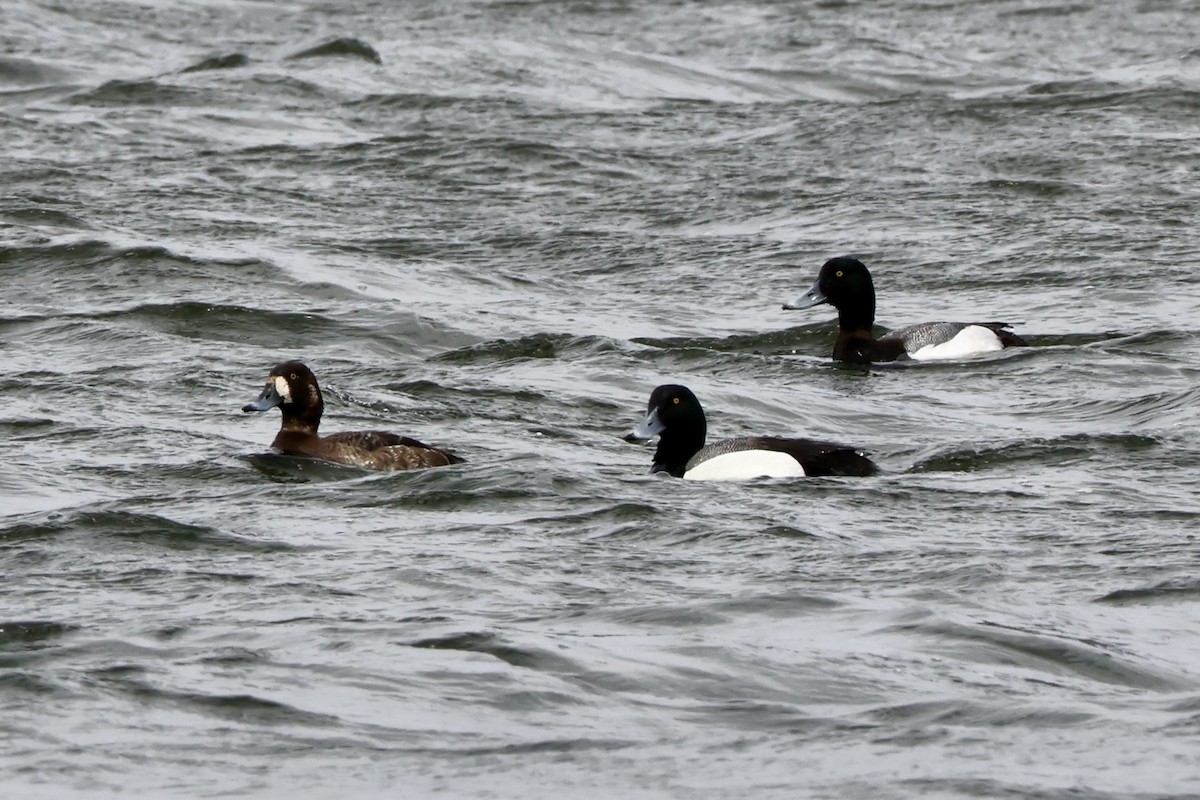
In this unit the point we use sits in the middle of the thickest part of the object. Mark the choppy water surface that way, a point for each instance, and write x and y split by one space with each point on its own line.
496 227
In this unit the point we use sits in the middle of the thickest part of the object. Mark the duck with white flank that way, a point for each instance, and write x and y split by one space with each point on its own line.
846 284
675 416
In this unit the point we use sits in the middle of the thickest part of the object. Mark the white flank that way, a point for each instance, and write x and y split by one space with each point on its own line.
971 340
281 386
745 464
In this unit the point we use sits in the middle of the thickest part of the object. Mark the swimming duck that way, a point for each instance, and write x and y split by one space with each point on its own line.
845 283
293 387
675 416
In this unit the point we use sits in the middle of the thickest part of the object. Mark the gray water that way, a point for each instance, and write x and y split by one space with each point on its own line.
496 227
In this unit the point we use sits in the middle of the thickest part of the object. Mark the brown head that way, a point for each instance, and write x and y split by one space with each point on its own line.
293 387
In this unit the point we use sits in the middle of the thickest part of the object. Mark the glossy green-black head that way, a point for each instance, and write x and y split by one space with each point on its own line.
293 387
844 283
675 416
671 408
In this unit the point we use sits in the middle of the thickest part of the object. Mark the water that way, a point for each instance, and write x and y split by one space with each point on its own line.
496 227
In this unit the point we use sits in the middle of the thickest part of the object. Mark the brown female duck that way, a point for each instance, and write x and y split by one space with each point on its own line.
293 388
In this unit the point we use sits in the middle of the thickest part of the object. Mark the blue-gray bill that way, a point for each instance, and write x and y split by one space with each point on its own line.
813 297
647 429
269 398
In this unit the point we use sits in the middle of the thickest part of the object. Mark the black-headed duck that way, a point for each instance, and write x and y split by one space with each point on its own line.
675 416
845 283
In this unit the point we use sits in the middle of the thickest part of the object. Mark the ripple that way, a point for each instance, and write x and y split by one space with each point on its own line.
581 745
133 526
1173 591
418 101
241 708
989 643
41 215
27 632
229 61
146 92
494 645
995 787
343 47
957 712
216 322
1057 451
534 346
26 72
814 338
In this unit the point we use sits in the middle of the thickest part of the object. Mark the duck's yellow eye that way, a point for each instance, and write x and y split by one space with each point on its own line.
294 376
839 273
675 400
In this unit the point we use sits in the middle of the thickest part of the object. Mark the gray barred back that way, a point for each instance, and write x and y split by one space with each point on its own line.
924 334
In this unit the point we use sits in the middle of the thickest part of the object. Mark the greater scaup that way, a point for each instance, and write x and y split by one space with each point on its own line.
845 283
293 387
675 416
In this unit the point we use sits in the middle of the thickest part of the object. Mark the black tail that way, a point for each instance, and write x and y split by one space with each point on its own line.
821 459
849 462
1006 337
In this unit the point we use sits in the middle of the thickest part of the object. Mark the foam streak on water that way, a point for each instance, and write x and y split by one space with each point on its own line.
496 227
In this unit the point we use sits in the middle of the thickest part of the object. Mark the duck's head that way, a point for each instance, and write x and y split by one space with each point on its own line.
675 416
293 387
844 283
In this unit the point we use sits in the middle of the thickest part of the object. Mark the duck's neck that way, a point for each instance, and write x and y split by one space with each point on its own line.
859 317
301 420
676 449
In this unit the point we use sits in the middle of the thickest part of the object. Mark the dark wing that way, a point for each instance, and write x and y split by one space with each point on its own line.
402 456
821 458
373 441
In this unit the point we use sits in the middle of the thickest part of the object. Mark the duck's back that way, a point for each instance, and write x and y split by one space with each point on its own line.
368 449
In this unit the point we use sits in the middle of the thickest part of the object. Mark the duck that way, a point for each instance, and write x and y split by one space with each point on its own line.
845 283
293 387
677 418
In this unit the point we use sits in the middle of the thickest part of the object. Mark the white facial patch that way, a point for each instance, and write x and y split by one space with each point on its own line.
971 340
746 464
281 386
